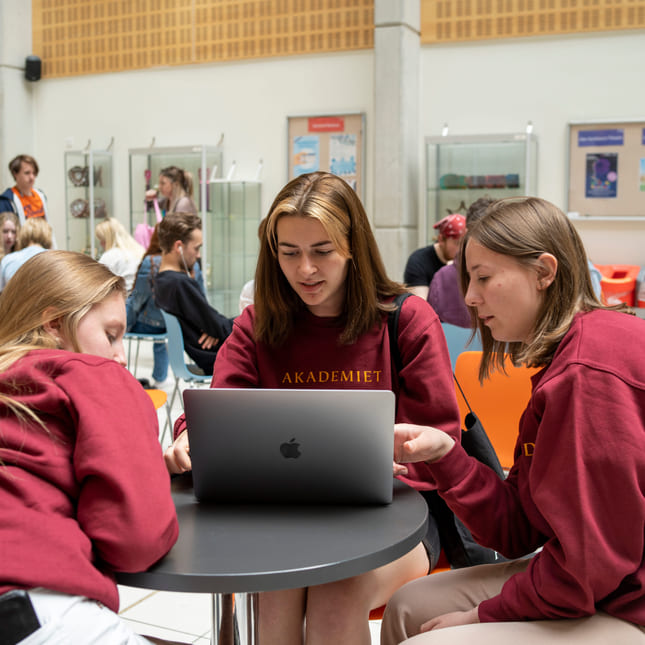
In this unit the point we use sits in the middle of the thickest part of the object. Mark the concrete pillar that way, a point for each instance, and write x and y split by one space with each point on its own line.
397 148
16 94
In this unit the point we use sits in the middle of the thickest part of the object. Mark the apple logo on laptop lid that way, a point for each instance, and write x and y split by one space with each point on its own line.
290 449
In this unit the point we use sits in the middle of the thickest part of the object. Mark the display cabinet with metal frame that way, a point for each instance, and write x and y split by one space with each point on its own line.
88 195
460 169
232 241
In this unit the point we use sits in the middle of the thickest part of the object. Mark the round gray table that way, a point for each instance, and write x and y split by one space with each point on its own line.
247 548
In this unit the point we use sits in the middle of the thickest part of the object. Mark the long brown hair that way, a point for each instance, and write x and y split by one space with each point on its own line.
330 200
524 228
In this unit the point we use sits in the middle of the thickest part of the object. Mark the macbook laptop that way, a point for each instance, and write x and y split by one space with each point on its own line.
279 445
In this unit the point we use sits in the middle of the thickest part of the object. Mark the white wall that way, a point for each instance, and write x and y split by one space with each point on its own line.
498 86
485 87
249 102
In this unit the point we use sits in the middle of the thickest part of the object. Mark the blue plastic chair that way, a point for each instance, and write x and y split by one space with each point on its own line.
176 357
457 339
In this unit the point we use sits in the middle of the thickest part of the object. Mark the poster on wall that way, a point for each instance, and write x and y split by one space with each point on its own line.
607 169
306 155
332 143
602 175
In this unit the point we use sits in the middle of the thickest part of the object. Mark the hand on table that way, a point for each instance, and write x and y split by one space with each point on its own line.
177 456
414 443
207 342
453 619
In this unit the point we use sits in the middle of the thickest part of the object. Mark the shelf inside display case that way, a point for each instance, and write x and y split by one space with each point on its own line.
88 196
460 169
231 236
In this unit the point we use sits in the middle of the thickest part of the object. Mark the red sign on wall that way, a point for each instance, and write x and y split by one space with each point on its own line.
326 124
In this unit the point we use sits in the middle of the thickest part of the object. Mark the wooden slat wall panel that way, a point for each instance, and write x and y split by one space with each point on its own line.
92 36
75 37
462 20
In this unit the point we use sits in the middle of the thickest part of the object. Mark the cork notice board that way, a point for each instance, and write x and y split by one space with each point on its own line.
333 143
607 168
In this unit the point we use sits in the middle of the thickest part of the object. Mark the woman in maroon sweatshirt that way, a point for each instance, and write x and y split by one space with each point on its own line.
84 491
576 490
319 320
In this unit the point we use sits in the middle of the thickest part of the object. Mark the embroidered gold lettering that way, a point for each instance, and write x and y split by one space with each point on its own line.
286 378
346 377
297 377
528 449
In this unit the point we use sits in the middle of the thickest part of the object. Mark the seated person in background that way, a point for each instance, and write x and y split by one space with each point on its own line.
76 505
445 293
425 262
9 227
34 238
144 317
576 490
122 253
178 293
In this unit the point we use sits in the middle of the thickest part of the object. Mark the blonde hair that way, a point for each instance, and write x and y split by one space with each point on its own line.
54 286
524 228
36 230
111 233
330 200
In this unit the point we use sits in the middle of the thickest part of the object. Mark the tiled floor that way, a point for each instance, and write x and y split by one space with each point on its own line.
182 617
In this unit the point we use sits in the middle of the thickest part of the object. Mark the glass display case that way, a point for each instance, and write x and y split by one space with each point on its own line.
88 196
202 161
460 169
231 241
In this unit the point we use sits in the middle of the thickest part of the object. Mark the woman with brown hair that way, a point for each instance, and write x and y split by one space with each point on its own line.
574 496
322 299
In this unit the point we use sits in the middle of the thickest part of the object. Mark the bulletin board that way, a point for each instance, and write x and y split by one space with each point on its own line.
333 143
607 168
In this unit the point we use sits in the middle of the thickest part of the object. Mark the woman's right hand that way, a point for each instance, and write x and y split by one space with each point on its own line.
177 456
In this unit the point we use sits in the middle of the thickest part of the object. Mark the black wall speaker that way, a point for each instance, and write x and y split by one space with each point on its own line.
32 68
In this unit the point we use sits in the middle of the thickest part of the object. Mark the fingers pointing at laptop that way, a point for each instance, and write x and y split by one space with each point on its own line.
177 456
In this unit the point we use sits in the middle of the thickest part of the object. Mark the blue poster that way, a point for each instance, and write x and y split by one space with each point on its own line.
306 154
342 152
597 138
601 175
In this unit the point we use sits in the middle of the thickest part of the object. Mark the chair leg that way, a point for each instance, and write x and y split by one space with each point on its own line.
174 393
167 426
136 358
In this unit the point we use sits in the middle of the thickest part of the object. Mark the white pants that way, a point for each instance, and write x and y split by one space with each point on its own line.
68 619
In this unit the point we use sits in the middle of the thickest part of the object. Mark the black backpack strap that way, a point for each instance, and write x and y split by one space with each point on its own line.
393 332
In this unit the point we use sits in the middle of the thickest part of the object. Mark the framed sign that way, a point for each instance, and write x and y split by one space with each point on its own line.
607 168
334 143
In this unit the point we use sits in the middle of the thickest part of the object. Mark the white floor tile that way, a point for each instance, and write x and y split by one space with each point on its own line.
129 596
187 613
145 629
375 630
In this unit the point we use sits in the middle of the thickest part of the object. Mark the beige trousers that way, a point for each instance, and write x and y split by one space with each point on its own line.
463 589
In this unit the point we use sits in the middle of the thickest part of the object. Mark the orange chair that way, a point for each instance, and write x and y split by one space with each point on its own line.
160 398
498 402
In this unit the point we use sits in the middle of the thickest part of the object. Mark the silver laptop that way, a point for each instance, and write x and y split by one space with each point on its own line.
311 446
